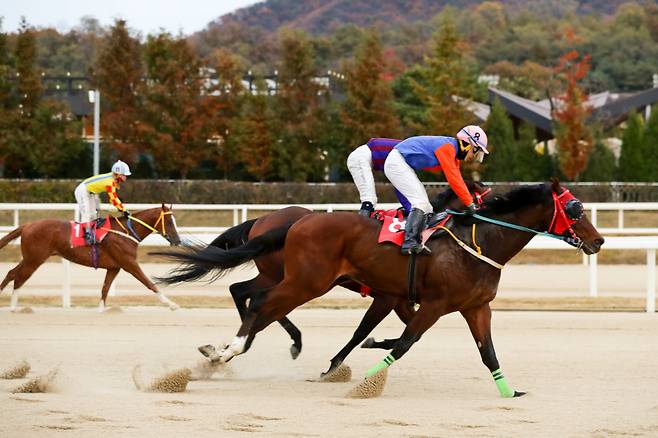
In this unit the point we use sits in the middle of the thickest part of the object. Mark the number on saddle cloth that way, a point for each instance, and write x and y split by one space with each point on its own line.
100 227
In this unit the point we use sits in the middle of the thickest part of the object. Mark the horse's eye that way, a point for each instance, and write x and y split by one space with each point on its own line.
574 209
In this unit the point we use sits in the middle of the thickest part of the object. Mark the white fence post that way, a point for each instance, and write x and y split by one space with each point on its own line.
593 277
16 218
66 287
651 280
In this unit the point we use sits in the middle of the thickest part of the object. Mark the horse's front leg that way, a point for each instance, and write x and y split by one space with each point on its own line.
133 269
479 322
378 310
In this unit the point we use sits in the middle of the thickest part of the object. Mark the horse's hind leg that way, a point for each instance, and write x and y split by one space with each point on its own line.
244 290
378 310
479 322
110 275
21 274
425 317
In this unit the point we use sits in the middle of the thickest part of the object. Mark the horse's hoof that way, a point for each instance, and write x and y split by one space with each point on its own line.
207 350
294 351
174 306
368 343
339 373
519 393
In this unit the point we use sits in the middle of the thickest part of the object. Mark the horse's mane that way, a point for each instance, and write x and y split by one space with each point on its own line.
517 198
441 200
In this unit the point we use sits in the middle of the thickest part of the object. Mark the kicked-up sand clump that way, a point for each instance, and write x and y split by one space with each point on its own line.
17 371
370 387
205 369
341 374
172 381
44 383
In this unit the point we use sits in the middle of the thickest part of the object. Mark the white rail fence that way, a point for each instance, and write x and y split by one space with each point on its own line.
629 239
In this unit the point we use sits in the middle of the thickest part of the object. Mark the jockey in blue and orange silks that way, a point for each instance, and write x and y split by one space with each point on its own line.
361 162
432 153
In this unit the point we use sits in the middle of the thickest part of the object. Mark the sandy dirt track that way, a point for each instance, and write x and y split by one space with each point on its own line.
588 375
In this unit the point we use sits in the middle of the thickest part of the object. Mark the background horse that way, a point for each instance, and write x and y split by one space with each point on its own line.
323 248
117 251
270 273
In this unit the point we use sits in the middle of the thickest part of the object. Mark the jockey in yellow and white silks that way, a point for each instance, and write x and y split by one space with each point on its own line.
86 194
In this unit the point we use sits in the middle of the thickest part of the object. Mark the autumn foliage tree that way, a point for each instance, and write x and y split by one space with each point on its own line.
570 113
368 108
118 73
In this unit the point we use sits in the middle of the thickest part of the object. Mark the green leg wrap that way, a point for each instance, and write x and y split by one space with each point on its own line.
501 383
384 363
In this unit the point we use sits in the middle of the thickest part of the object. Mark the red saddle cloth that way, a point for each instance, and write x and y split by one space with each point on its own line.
78 232
393 227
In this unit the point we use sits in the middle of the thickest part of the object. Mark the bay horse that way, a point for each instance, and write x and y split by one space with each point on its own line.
117 251
270 272
321 249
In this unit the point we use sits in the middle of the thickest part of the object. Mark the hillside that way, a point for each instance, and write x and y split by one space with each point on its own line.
324 16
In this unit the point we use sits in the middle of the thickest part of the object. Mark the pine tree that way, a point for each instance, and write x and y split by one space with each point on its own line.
447 74
651 145
367 110
528 164
118 73
500 164
631 160
601 165
297 104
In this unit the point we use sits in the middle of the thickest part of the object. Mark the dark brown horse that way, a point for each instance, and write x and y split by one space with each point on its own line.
270 272
42 239
321 249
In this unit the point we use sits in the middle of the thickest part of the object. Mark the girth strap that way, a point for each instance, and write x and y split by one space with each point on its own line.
411 278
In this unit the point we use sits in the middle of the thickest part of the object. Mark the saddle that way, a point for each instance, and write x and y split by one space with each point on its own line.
100 226
393 224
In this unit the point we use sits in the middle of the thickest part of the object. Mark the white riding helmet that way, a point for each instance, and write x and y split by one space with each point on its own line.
477 138
121 168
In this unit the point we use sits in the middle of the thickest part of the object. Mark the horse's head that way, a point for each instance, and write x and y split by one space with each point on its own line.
569 220
166 225
448 198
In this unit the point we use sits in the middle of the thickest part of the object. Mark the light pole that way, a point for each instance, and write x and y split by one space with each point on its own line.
95 98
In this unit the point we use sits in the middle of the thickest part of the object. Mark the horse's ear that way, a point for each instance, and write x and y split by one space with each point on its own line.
555 184
163 206
171 206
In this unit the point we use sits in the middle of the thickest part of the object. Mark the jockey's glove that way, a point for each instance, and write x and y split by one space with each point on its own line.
471 209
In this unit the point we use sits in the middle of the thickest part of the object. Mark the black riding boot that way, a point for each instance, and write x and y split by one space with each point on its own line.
366 209
412 229
90 235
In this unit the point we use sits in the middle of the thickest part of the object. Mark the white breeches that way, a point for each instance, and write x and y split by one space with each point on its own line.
359 162
404 178
88 204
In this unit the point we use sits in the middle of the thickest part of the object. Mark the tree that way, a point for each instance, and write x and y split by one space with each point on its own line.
529 163
570 114
296 155
631 159
447 74
29 81
650 138
118 73
368 110
601 165
254 134
176 121
500 165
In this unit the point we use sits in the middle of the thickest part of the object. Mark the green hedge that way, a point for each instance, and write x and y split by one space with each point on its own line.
231 192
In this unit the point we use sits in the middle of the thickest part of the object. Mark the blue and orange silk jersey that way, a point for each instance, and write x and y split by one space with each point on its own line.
434 154
105 183
380 148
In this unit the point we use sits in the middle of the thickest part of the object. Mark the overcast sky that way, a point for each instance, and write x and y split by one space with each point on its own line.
146 16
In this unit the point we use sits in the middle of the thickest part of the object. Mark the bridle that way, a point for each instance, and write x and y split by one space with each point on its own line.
567 211
161 221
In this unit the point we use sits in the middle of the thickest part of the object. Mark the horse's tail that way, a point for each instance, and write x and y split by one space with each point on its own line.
198 262
11 236
234 236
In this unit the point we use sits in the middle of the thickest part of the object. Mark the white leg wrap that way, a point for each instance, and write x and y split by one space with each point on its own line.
167 301
359 162
404 178
236 347
101 306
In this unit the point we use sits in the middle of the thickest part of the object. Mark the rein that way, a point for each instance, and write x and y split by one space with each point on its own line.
130 230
